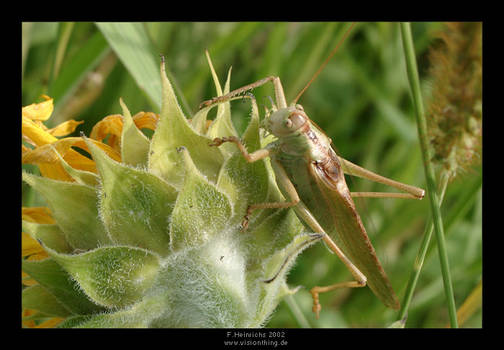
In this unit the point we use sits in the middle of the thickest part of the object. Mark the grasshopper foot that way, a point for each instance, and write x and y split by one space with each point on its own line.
244 224
246 218
316 305
207 103
220 140
216 142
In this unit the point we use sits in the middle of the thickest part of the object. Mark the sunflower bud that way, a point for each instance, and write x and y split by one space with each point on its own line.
147 234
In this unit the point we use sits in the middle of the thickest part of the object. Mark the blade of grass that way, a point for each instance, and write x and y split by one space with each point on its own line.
463 204
460 208
64 33
133 47
26 29
389 111
412 71
89 90
296 311
72 74
420 258
471 305
271 60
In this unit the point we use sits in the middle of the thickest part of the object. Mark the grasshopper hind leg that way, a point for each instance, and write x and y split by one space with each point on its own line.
315 291
360 278
303 212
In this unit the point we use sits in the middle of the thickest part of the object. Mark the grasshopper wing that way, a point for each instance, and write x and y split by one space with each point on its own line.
345 226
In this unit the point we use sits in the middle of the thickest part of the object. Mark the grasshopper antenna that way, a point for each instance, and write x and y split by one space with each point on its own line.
325 63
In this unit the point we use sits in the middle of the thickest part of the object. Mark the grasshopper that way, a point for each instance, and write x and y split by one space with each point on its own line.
310 176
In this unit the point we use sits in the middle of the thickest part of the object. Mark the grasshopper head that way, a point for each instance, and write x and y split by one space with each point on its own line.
286 121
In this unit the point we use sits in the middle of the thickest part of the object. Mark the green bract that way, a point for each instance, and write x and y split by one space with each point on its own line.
155 241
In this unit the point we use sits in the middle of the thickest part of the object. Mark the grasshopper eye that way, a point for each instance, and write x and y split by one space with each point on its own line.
286 121
296 120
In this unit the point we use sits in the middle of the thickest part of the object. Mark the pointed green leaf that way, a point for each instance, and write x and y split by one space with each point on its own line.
112 276
222 124
248 183
50 235
245 183
135 205
284 224
38 298
281 260
75 321
36 316
201 210
139 315
398 324
75 209
251 135
215 78
174 131
134 144
112 320
58 282
272 273
81 176
199 120
273 233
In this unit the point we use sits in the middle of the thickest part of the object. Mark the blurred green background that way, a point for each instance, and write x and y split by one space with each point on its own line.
361 100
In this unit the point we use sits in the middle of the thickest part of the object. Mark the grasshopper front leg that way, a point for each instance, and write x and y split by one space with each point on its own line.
279 93
252 157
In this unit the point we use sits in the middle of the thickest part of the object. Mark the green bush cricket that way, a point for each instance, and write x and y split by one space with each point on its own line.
310 175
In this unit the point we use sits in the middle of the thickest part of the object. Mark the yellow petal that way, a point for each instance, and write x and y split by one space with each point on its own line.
49 163
54 171
34 251
30 247
77 160
46 154
115 155
27 313
49 166
50 323
65 128
111 125
33 131
41 125
27 280
24 149
39 111
39 215
146 120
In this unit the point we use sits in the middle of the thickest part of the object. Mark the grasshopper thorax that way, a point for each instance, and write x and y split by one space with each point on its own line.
287 121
